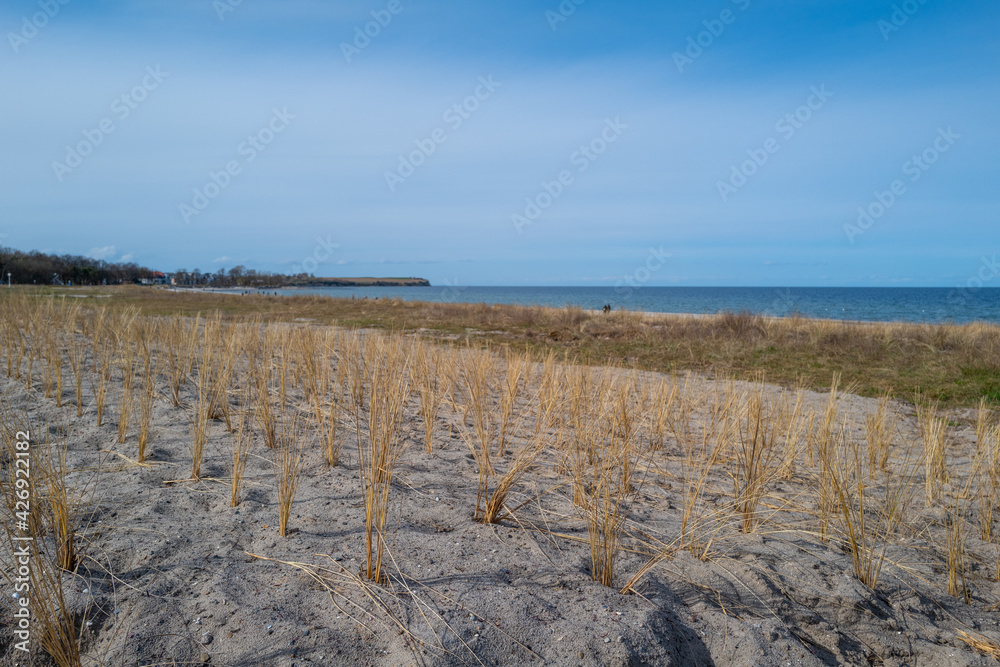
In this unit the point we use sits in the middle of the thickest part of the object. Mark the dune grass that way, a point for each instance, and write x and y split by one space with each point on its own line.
955 365
607 440
385 371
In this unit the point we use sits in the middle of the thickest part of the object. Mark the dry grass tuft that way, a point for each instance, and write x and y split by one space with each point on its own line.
981 643
385 371
426 371
332 445
146 396
59 635
241 445
823 440
796 422
603 483
510 388
756 458
868 514
495 509
288 458
61 507
52 623
606 510
265 409
933 432
880 429
477 377
201 423
75 356
957 557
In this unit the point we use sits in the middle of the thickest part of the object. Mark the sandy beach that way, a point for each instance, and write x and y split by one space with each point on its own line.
169 571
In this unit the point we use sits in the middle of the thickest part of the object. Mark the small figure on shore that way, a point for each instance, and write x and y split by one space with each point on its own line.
607 308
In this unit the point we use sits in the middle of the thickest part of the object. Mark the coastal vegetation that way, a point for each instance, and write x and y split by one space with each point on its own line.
953 364
370 438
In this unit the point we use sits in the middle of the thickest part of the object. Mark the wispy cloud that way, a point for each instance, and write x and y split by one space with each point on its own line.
104 252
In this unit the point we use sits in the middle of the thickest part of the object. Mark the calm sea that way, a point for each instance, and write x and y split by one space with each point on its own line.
848 303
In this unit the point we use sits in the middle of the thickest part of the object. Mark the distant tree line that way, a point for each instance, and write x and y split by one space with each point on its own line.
33 267
42 269
238 276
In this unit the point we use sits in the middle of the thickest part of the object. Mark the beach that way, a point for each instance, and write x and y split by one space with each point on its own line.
656 472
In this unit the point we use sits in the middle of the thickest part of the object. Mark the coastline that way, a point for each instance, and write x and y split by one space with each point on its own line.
916 305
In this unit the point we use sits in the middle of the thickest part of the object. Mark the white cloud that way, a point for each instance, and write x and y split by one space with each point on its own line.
127 257
107 252
220 260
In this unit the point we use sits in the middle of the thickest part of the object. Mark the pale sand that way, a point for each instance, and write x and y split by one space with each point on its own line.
184 587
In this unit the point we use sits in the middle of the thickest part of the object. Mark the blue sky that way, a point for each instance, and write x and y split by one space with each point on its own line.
738 137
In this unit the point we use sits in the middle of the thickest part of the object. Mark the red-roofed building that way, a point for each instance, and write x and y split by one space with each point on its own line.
159 278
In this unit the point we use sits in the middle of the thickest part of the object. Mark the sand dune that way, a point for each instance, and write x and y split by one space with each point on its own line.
170 573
